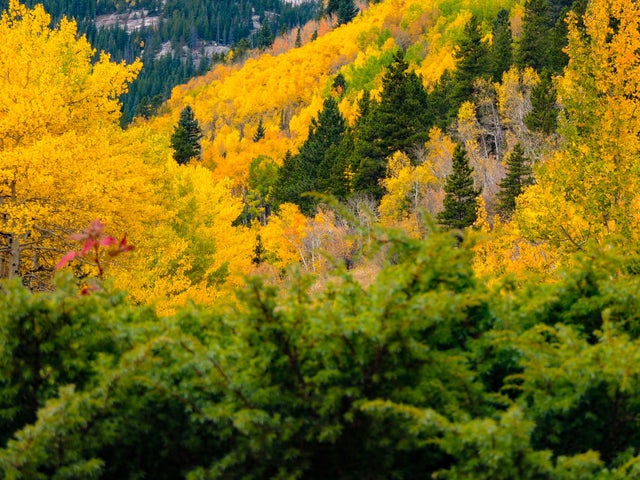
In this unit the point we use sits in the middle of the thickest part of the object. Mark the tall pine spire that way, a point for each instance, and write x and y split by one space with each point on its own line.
461 197
519 175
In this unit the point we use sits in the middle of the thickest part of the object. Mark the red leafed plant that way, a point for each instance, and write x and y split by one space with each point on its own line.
93 241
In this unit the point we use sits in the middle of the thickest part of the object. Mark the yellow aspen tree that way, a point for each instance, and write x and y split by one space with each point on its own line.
284 237
514 103
408 192
590 188
502 251
58 112
192 251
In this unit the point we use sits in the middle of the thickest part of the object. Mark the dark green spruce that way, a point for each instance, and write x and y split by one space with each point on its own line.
398 122
501 51
186 137
461 196
260 132
543 116
473 56
312 169
535 42
519 175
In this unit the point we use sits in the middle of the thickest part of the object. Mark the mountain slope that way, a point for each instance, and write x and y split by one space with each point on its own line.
286 90
176 39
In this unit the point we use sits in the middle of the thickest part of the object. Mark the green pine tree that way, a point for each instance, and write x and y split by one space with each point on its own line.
557 58
258 251
439 101
472 55
519 175
264 37
186 137
260 132
461 197
332 7
535 41
346 11
339 85
398 122
501 53
543 116
293 180
298 43
303 173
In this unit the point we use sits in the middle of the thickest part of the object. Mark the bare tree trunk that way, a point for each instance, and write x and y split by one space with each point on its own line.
14 242
14 256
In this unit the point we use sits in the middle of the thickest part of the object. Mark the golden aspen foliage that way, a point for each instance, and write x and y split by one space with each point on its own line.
468 128
408 193
589 189
501 250
192 251
284 236
514 103
482 222
62 162
49 84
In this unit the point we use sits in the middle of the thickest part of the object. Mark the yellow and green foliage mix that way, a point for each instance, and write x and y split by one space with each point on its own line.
269 333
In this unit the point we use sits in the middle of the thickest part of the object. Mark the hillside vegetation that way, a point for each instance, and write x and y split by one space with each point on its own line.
400 245
175 39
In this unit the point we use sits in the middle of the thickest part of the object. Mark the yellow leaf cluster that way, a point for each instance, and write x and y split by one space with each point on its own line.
409 189
48 84
63 161
589 189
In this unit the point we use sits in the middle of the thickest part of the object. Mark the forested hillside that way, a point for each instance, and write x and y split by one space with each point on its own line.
399 242
175 39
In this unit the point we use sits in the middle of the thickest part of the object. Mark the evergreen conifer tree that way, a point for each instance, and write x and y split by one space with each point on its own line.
298 43
264 37
557 58
397 123
311 169
339 85
501 56
293 180
472 52
543 116
346 11
332 7
364 107
519 175
259 135
472 55
186 137
335 167
258 251
535 41
461 197
439 101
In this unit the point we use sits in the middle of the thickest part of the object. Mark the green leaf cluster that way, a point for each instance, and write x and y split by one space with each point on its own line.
426 372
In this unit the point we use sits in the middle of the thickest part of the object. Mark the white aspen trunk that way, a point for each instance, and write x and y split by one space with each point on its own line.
14 243
14 256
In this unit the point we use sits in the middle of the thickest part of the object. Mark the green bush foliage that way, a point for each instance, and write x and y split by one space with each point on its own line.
426 373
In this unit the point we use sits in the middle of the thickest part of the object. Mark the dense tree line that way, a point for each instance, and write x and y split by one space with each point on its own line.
356 160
